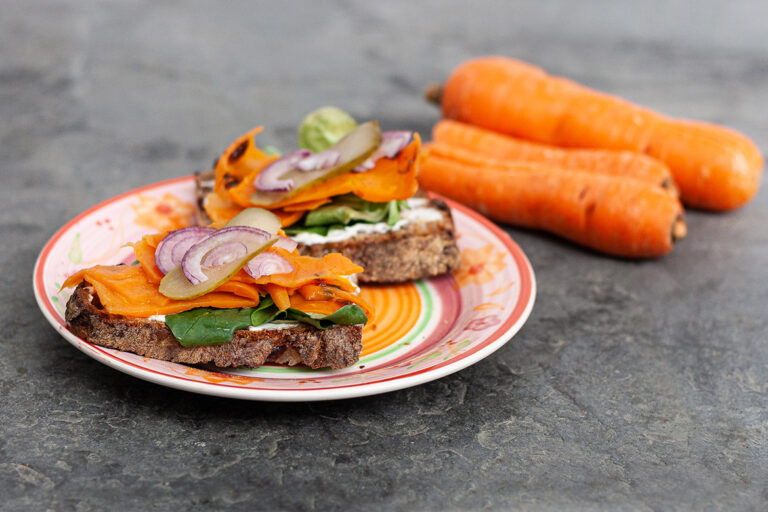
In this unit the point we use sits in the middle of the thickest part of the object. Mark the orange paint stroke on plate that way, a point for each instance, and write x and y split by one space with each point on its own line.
397 310
480 266
502 289
112 249
216 378
485 306
167 213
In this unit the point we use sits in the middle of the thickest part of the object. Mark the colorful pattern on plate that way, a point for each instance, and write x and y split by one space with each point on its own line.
423 330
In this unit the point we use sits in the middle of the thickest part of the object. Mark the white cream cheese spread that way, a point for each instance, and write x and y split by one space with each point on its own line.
269 326
418 211
272 326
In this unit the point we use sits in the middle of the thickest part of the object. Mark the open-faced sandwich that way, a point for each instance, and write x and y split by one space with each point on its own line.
348 188
231 294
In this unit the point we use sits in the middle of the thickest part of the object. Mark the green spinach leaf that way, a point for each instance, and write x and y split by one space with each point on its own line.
271 150
208 326
351 314
393 213
345 210
318 230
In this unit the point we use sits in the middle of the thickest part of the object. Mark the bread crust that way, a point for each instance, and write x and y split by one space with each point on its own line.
417 250
336 347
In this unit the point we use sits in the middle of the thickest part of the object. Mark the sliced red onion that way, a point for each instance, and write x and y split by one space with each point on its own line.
367 165
192 265
355 147
321 160
225 253
266 264
286 243
178 252
172 248
270 177
392 143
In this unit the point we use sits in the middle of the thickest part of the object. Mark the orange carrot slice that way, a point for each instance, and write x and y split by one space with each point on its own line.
391 178
315 292
279 295
133 290
330 269
126 290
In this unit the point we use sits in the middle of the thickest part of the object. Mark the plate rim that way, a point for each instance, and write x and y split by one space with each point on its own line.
499 337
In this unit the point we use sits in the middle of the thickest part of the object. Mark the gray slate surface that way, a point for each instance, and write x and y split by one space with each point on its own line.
634 386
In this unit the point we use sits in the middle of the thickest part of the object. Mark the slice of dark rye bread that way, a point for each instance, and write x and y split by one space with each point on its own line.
336 347
415 251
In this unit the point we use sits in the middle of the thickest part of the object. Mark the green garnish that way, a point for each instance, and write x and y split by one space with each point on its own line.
323 128
317 230
207 326
351 314
210 326
345 210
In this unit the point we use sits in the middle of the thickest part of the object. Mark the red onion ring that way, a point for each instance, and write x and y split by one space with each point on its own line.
172 248
267 264
286 243
225 253
392 143
191 264
269 178
321 160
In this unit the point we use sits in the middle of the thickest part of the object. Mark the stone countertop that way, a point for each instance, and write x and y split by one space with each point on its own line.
634 385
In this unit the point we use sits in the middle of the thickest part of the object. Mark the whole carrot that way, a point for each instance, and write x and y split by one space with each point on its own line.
501 149
618 216
715 168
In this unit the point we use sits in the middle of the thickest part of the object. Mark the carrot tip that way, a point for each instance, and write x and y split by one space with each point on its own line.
679 229
434 93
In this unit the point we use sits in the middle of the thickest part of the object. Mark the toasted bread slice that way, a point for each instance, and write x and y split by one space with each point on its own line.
417 250
336 347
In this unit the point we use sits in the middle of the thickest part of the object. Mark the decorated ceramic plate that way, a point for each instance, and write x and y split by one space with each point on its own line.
423 330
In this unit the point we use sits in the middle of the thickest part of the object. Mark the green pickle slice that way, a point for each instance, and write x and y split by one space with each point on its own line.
355 148
175 284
